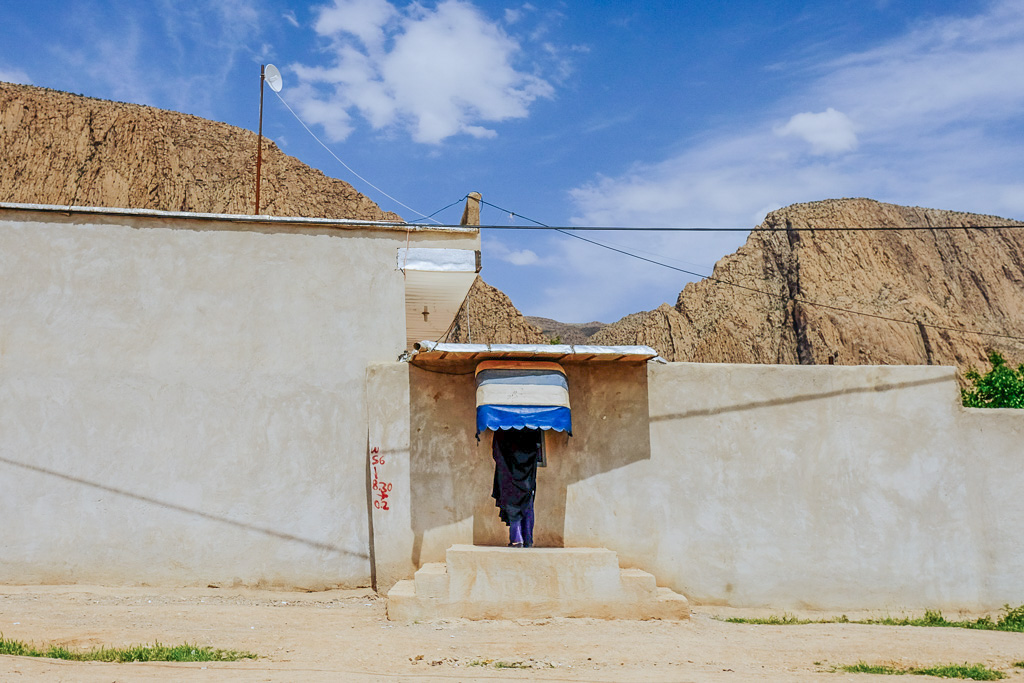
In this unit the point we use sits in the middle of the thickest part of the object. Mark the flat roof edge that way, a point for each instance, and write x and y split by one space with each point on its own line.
233 218
645 353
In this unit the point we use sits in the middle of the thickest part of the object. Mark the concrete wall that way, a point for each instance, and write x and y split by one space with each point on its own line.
182 400
196 401
818 487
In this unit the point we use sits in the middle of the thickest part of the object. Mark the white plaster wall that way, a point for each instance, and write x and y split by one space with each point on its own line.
187 405
828 487
387 397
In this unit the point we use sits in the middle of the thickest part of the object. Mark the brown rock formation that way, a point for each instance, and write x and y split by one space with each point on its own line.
488 317
567 333
964 279
59 148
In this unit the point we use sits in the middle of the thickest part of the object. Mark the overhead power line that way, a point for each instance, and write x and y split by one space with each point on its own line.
537 225
347 167
783 297
448 206
855 228
638 228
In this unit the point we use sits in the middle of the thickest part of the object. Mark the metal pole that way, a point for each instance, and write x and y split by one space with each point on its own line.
259 144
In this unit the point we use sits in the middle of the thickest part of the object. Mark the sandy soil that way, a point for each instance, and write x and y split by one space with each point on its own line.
344 635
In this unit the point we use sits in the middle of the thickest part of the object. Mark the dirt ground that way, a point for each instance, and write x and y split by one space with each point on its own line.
345 636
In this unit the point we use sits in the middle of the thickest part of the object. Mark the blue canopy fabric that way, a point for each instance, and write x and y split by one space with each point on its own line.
556 418
522 395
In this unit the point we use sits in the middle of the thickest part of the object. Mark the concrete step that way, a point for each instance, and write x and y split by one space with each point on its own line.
481 582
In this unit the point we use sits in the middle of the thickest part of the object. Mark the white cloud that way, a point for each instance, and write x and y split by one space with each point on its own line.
828 132
433 72
13 75
364 19
517 257
937 123
290 17
515 15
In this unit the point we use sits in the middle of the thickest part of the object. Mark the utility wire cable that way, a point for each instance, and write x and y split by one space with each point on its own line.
783 297
513 214
594 228
347 167
861 228
623 228
457 201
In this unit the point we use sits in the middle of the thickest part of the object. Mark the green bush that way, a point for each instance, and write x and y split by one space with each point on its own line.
1000 387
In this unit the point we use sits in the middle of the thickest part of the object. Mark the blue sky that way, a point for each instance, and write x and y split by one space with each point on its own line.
618 113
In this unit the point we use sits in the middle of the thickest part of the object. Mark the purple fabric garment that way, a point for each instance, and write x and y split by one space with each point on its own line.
521 530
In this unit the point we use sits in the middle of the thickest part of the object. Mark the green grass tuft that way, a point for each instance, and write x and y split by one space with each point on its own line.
14 647
865 668
1012 619
974 672
134 653
773 620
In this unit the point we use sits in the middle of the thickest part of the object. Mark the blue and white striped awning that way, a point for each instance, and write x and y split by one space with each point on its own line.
522 395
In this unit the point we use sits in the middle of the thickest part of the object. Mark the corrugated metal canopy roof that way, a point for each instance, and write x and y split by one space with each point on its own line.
464 357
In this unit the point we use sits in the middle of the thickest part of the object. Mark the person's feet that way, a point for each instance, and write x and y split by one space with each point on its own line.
515 545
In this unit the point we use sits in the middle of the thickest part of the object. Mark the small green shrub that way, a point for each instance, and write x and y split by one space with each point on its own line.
1012 619
1000 387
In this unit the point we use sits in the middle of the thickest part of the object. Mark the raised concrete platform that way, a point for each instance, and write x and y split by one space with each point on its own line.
479 582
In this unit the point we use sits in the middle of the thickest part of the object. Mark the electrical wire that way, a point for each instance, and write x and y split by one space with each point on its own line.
448 206
783 297
347 167
598 228
865 228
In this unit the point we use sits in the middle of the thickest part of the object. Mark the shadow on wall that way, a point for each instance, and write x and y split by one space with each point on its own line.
194 512
817 396
451 473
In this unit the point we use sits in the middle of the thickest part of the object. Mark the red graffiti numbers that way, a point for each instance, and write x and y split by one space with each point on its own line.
381 488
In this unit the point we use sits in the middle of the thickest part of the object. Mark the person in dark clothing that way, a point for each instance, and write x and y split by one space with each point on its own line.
516 452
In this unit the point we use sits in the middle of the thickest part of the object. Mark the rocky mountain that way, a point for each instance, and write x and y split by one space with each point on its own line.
797 292
488 317
59 148
566 333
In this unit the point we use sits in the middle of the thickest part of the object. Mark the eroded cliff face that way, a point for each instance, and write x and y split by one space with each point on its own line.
964 279
488 317
59 148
